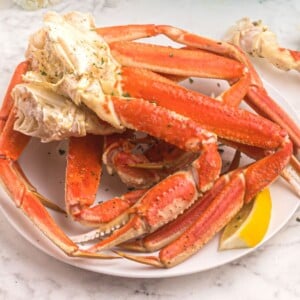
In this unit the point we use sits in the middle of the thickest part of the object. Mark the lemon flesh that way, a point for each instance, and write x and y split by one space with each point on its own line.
249 226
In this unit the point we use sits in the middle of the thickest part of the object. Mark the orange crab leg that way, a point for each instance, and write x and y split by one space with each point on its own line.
266 170
206 168
291 173
30 202
126 32
253 129
261 102
236 93
256 176
182 62
12 143
219 211
8 101
177 64
258 172
171 60
166 234
256 96
110 209
83 172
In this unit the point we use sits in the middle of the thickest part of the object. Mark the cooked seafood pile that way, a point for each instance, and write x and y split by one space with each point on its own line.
99 88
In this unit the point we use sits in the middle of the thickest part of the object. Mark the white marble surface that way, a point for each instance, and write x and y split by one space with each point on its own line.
272 272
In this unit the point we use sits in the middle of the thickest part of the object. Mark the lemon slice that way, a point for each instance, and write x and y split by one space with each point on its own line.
250 224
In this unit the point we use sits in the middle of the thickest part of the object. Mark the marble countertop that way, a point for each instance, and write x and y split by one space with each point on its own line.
271 272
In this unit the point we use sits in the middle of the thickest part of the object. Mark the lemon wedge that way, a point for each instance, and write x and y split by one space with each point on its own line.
250 225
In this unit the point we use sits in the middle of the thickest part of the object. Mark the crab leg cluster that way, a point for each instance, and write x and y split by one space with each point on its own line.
183 211
166 94
13 179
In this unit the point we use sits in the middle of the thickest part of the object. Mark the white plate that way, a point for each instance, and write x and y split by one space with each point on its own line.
44 167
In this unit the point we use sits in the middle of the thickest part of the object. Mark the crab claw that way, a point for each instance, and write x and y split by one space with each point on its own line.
221 209
168 233
161 204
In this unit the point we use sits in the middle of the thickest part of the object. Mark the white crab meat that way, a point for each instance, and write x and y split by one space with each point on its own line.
44 114
257 40
71 59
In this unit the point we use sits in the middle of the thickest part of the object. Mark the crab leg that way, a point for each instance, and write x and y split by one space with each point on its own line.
181 63
110 209
166 234
12 143
30 202
223 207
259 100
8 101
236 93
24 195
257 97
130 111
83 172
253 129
243 185
169 60
127 32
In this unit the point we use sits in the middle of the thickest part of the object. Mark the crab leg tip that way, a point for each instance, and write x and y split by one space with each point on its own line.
51 205
147 260
87 254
